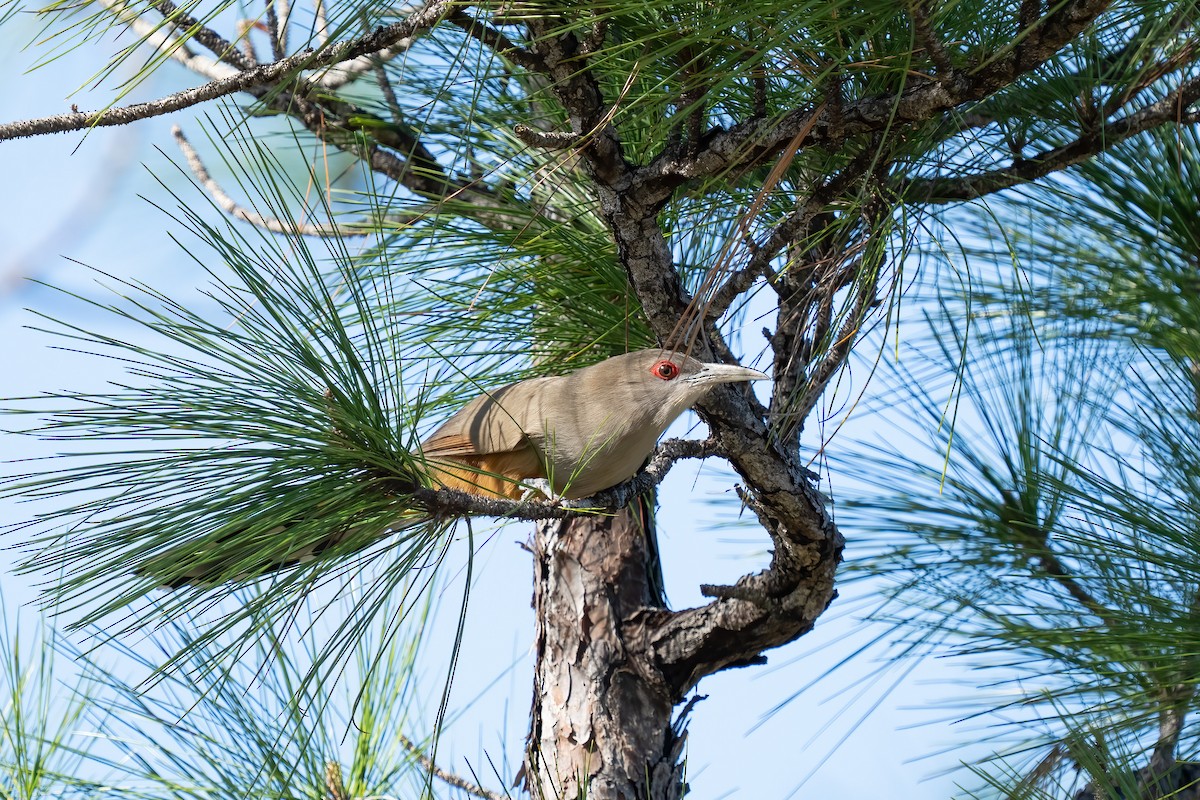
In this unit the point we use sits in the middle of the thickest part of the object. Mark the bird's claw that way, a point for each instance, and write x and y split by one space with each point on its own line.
540 486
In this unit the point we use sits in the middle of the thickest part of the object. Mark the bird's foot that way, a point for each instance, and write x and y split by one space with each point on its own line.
540 486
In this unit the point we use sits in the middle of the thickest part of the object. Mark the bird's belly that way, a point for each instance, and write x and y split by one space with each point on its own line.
601 466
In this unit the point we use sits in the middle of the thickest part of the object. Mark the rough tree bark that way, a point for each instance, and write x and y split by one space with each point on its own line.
612 662
601 725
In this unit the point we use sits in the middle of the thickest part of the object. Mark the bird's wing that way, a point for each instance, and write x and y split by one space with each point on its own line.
492 423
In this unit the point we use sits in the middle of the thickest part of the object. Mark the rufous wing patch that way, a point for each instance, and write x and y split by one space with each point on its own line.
490 475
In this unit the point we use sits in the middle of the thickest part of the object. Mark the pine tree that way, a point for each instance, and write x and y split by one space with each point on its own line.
508 190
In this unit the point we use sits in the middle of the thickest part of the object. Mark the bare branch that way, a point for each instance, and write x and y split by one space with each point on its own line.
244 26
175 48
341 74
284 10
580 93
923 27
494 40
457 781
321 22
373 42
191 28
231 207
731 631
388 91
277 51
547 140
1033 537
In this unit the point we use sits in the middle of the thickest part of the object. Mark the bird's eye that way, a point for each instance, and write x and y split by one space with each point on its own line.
666 370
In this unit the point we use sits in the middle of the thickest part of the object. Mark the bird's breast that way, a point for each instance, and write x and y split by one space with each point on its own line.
590 458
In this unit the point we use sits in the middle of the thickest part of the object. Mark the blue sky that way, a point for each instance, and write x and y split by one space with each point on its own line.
74 199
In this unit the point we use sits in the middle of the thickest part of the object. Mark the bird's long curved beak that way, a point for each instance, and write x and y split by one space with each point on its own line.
727 373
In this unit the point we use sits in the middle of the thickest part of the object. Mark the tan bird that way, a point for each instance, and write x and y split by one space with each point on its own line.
567 436
581 433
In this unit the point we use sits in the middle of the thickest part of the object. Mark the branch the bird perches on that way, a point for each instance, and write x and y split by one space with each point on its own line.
569 437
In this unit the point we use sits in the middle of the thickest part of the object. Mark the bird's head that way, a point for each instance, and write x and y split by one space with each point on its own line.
671 380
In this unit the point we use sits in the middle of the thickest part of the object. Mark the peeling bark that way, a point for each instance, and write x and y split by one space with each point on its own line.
601 725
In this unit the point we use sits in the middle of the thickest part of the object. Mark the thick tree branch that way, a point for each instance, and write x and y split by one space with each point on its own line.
687 645
580 94
782 602
799 583
268 74
786 598
448 502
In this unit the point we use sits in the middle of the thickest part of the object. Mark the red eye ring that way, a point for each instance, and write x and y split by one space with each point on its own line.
665 370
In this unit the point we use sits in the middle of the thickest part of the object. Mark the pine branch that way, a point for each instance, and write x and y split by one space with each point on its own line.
923 27
494 40
444 775
756 140
273 224
1171 108
266 75
448 502
191 28
170 46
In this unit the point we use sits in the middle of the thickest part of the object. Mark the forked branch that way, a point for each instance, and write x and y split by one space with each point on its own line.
277 72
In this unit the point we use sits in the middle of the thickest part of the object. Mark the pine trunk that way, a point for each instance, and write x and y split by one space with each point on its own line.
600 728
